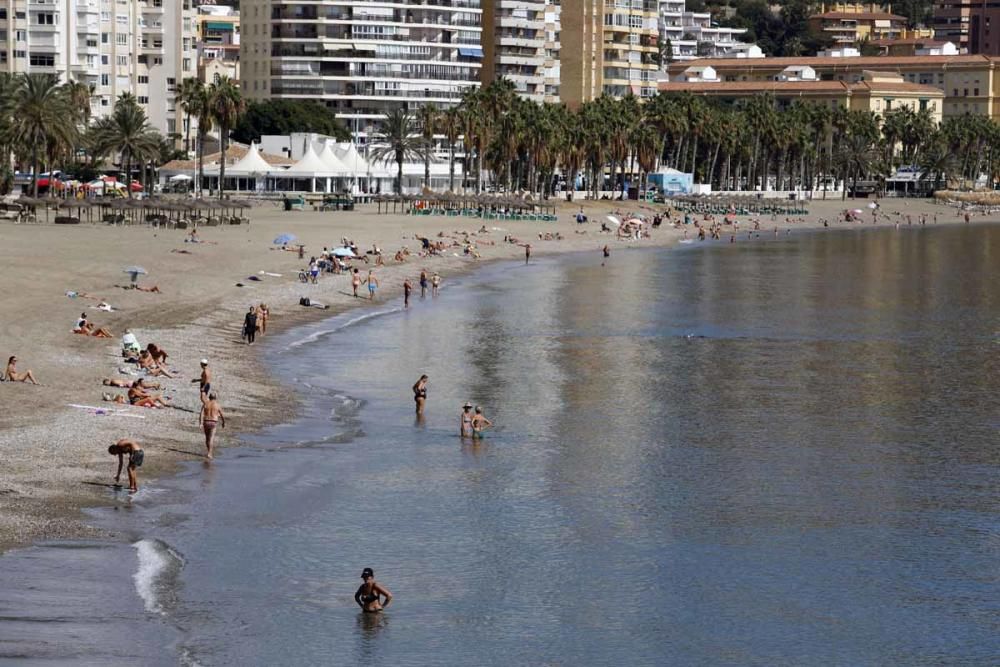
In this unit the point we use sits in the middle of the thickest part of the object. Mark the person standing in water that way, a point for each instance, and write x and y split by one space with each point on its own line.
135 457
407 289
423 283
211 416
370 594
479 423
372 285
466 421
420 394
250 325
527 252
435 284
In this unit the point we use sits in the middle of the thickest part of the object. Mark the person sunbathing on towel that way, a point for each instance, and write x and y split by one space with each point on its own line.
154 288
125 384
138 397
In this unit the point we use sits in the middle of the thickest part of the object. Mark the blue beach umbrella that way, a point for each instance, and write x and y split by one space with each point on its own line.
284 239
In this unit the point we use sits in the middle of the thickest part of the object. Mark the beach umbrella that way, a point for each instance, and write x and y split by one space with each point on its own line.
614 221
134 272
343 252
179 177
284 239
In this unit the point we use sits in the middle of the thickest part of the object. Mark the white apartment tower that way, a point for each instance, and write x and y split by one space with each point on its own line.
142 47
521 44
361 58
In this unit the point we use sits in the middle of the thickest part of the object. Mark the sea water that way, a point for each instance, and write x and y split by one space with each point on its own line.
780 451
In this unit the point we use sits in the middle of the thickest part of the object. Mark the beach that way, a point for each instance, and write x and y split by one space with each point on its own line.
54 455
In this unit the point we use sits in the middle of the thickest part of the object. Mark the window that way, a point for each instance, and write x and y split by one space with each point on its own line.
105 80
975 91
105 59
143 78
123 61
91 43
20 54
42 60
45 18
104 38
143 99
121 39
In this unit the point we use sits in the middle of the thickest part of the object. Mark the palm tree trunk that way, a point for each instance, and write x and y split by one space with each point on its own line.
451 166
201 161
128 173
427 169
223 143
34 173
187 137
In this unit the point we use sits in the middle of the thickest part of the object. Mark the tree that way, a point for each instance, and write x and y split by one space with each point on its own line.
41 118
226 105
398 140
189 94
202 110
127 132
286 116
78 94
452 127
427 116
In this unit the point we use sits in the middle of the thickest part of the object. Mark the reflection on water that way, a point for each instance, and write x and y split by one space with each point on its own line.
774 452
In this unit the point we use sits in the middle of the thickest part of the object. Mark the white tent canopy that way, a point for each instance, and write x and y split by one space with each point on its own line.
332 162
349 156
310 166
251 163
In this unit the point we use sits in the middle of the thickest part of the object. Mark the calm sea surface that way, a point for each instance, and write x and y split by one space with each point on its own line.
778 452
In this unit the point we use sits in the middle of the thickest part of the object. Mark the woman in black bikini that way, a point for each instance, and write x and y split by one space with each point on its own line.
420 394
369 594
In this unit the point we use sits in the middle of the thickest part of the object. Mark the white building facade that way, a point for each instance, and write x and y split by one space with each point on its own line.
362 58
521 44
691 34
141 47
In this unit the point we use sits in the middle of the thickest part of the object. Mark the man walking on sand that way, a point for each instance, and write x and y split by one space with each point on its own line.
250 325
372 285
211 416
135 457
205 379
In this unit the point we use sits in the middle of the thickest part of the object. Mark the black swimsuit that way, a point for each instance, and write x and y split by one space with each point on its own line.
135 458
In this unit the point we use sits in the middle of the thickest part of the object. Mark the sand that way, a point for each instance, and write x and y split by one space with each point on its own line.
54 457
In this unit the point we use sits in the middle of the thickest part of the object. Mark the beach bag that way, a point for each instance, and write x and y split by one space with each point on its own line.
304 301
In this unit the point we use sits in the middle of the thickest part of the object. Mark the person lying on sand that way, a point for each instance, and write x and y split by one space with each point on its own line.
154 288
139 397
11 374
125 384
85 328
135 457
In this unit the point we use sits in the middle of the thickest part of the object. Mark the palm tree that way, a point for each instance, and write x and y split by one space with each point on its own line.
226 105
40 117
428 116
189 93
127 132
452 127
398 140
201 110
79 95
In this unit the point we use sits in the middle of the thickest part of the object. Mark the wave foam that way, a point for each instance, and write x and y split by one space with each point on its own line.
158 566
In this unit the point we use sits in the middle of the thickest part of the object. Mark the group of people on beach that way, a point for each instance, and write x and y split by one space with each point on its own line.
471 424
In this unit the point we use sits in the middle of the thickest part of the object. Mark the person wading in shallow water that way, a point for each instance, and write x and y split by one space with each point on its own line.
420 394
370 593
211 416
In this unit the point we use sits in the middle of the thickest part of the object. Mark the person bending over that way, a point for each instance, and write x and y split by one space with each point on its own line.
130 448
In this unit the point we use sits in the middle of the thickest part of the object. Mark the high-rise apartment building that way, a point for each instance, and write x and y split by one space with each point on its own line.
142 47
521 44
217 39
361 58
608 46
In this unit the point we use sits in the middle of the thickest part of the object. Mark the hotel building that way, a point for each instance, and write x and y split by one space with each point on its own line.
141 47
362 58
608 46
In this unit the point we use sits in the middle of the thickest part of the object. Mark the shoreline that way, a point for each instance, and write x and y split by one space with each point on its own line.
33 510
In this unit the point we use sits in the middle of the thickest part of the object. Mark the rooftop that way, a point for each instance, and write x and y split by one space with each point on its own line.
871 62
797 87
860 16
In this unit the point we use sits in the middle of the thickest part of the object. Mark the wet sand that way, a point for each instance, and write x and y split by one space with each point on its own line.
54 458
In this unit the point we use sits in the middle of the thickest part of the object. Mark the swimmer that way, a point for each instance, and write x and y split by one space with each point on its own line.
420 394
466 421
369 594
479 423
